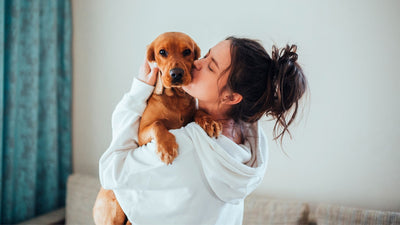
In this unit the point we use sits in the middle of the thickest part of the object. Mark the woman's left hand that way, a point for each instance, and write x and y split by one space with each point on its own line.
148 72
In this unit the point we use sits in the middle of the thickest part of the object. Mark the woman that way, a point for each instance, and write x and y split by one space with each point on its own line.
236 83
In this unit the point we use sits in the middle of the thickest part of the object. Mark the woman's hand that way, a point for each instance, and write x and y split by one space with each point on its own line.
148 72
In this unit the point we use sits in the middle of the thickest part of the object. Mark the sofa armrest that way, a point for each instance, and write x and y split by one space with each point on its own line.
81 195
51 218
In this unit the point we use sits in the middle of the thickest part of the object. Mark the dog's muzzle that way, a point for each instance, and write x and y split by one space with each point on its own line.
176 75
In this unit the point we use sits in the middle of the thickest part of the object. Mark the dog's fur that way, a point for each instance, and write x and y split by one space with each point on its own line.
169 107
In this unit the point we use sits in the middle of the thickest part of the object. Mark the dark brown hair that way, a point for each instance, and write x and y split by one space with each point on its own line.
269 86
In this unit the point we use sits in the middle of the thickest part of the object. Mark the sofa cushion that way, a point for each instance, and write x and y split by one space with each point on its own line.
81 194
340 215
261 210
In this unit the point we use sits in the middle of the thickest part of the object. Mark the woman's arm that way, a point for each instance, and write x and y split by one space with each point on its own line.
125 124
126 116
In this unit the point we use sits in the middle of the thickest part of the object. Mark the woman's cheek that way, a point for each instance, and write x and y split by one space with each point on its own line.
192 89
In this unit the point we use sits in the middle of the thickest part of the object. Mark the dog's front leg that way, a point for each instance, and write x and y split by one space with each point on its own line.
167 147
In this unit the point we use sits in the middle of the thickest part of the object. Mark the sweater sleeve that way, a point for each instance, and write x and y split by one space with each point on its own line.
124 156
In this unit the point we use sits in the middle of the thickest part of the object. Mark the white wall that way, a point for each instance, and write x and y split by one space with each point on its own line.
346 148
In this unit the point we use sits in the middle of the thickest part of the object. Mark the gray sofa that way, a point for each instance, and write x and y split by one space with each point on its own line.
82 191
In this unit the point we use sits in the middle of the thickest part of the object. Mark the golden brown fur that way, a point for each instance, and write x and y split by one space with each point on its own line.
169 107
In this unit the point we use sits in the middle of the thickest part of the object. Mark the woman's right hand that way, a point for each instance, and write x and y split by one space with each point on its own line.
148 72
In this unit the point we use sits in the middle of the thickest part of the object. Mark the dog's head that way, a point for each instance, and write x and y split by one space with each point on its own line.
174 53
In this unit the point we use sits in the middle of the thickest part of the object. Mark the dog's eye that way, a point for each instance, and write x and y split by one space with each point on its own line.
163 53
186 52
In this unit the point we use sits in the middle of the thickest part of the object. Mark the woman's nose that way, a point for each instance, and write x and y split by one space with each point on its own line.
196 64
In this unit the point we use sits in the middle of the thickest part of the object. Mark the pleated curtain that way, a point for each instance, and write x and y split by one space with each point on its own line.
35 117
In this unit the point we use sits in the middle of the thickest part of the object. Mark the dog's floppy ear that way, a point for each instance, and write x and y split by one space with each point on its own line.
197 51
150 53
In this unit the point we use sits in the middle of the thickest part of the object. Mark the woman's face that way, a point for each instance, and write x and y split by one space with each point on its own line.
207 78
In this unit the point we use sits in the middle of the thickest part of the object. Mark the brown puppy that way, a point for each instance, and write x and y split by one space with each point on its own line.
169 107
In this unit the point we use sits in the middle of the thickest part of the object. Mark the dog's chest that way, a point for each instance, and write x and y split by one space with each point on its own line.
175 111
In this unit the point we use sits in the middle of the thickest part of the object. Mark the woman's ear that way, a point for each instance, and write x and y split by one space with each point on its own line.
231 98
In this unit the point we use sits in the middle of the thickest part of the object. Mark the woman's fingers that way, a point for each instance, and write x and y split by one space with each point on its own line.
148 72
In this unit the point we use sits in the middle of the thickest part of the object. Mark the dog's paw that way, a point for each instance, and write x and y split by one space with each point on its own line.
167 148
211 127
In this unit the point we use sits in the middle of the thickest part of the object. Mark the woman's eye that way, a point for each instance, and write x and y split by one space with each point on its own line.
163 53
186 52
209 67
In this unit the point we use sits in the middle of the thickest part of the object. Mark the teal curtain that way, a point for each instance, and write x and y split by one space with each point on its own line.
35 94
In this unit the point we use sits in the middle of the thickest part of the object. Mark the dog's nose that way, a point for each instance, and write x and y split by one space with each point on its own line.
176 75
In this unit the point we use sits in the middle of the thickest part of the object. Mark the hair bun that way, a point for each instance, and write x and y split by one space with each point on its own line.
285 54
